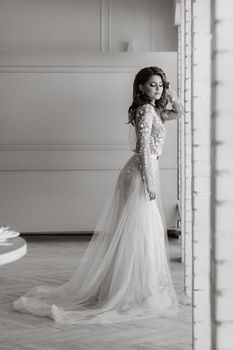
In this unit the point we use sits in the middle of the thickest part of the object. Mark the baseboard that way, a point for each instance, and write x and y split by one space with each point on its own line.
57 233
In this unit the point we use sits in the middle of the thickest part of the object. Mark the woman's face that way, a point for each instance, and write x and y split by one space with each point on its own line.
153 88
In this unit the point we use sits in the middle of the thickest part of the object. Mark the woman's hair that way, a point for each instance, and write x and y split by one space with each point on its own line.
140 99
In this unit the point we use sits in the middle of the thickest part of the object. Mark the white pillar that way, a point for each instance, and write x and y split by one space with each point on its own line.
181 80
188 146
201 117
222 177
179 139
185 137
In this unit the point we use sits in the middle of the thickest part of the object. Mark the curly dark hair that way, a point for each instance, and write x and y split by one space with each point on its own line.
140 99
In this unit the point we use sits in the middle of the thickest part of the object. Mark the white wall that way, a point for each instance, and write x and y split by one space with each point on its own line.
64 138
86 25
63 113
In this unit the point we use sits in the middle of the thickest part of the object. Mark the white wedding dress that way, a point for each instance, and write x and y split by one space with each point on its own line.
124 273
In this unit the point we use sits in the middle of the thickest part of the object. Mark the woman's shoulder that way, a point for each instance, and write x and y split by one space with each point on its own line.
146 108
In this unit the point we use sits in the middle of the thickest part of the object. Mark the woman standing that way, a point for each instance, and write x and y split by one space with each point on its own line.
124 273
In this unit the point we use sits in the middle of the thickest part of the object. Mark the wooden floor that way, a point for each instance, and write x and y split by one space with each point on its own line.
52 260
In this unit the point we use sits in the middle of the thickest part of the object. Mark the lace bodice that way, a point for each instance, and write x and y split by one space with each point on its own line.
151 133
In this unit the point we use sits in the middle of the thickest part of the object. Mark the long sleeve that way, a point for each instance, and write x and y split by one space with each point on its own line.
144 118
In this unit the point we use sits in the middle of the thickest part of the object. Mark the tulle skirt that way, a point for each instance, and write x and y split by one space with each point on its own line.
124 273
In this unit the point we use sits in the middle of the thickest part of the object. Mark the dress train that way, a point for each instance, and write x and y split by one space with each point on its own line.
124 273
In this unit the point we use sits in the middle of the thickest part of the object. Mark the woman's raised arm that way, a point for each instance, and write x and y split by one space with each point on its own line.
177 108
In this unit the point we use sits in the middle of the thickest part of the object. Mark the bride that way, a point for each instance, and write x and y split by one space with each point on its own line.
124 273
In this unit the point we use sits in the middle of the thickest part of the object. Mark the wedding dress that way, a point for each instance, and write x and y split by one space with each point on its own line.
124 273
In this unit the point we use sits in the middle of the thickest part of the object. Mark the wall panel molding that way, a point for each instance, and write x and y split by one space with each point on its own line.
87 166
42 146
66 157
105 26
124 62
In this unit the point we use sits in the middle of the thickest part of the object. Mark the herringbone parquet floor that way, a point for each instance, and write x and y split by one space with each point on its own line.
51 260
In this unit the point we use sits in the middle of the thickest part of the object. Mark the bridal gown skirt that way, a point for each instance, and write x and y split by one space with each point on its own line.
124 273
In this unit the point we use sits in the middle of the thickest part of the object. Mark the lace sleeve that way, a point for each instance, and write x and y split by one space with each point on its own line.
144 117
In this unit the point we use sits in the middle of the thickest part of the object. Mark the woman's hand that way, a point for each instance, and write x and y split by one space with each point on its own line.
150 185
151 192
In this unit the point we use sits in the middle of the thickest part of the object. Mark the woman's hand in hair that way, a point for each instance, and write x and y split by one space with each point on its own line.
177 109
